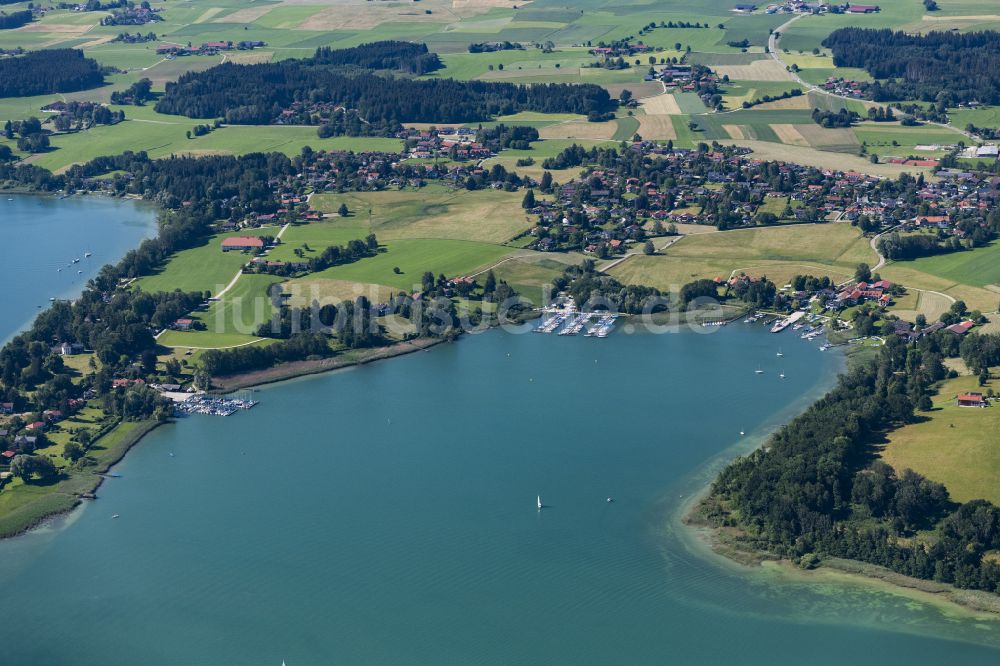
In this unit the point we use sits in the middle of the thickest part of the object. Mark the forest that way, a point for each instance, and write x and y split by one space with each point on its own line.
817 490
14 19
261 94
407 57
49 71
946 68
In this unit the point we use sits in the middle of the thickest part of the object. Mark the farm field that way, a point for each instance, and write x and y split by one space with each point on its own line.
956 446
777 252
490 216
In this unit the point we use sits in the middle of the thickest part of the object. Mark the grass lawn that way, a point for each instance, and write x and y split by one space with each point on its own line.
319 236
956 446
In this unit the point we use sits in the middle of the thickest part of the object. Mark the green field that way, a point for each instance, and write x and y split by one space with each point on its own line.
979 267
777 252
956 446
203 268
491 216
413 257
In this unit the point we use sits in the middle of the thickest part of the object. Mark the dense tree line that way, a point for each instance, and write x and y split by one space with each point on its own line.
258 94
814 490
298 347
842 118
501 137
15 19
386 55
48 71
491 47
946 68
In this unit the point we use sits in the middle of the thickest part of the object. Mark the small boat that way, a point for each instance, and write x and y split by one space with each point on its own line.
76 261
538 502
171 454
782 375
742 433
780 353
115 516
610 500
59 270
758 371
79 272
52 298
88 254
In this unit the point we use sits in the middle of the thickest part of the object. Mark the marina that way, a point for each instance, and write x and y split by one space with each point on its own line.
570 322
215 405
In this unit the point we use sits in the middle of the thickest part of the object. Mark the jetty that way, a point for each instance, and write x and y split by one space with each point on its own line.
782 324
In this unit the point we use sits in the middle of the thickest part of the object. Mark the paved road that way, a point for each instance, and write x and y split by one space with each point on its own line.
772 47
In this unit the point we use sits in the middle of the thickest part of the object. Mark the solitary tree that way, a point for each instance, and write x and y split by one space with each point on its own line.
649 248
529 200
343 210
863 273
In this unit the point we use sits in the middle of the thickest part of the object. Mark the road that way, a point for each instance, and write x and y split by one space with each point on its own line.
772 47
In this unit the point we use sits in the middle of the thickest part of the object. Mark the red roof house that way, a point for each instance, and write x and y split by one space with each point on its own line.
242 243
971 400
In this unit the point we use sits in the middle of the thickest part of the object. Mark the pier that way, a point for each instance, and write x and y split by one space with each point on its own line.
570 322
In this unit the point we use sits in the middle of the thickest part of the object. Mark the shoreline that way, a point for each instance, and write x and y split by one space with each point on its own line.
296 369
85 486
721 542
81 488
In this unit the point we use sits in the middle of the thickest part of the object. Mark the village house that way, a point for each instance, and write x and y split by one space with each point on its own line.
242 243
971 400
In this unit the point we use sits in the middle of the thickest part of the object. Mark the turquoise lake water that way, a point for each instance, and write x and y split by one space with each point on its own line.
386 515
43 234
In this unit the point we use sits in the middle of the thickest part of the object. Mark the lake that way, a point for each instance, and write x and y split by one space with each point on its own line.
42 235
386 515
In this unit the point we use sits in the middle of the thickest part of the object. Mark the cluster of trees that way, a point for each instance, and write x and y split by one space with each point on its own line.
407 57
347 122
48 71
881 114
254 357
501 137
15 19
30 137
137 38
898 247
698 289
596 291
138 93
74 116
492 47
335 255
814 489
810 283
842 118
946 68
257 94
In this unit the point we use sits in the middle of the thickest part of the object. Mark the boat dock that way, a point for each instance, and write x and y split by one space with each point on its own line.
215 405
594 324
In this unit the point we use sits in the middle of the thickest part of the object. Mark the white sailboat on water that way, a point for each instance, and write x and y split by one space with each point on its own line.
538 502
780 353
